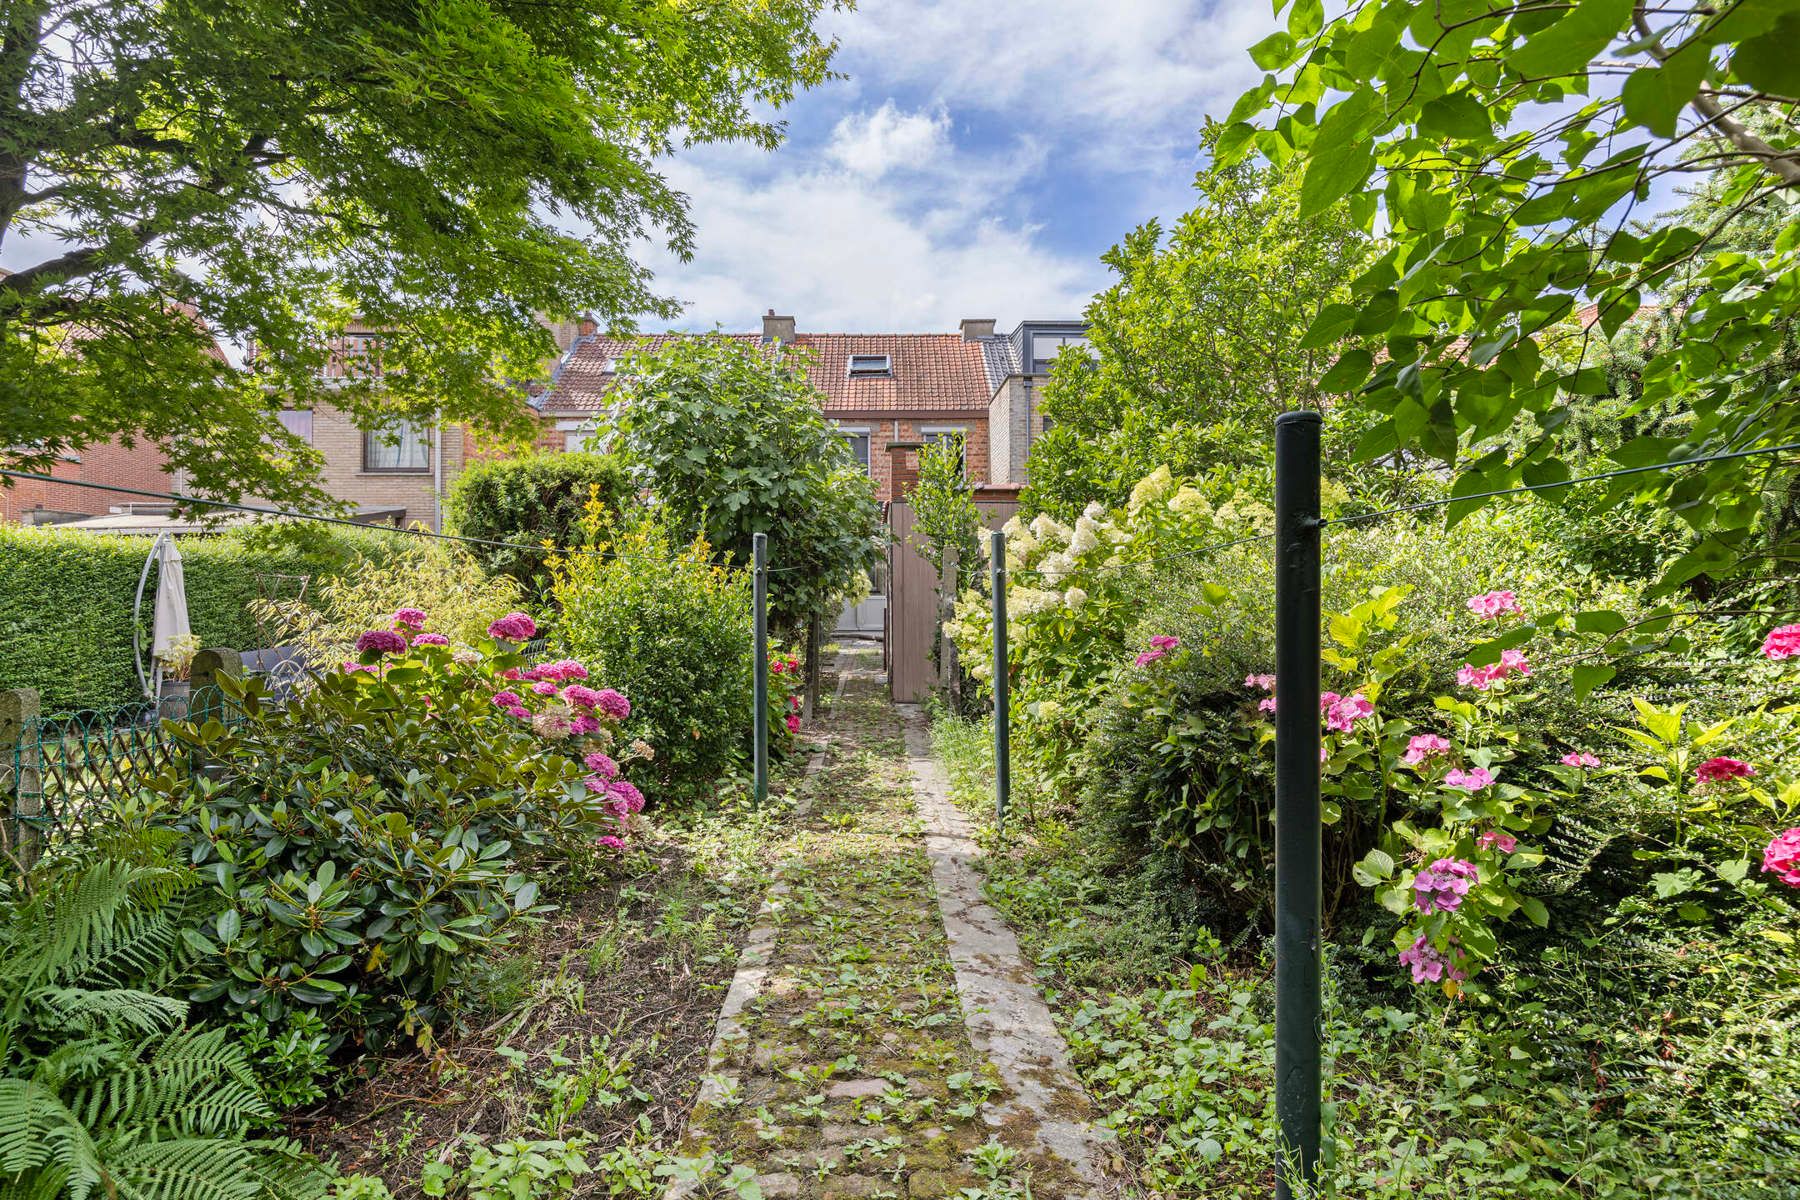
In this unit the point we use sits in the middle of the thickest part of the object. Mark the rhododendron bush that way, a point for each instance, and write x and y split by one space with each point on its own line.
404 810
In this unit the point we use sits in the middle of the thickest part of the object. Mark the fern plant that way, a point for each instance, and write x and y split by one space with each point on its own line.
103 1090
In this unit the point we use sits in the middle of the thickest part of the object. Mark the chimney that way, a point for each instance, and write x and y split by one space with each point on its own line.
974 328
777 329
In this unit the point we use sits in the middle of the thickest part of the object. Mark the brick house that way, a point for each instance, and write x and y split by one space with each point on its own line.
886 392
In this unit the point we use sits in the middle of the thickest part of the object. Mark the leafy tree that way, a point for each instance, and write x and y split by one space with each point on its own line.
944 511
1200 341
534 499
1505 150
734 442
260 172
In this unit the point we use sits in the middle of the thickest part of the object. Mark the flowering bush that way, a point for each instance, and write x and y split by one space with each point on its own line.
403 812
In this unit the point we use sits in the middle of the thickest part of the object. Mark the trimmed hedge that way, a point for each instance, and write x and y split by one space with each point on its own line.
66 596
536 498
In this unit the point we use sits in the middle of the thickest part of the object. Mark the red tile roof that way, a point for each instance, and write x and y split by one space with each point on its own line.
933 373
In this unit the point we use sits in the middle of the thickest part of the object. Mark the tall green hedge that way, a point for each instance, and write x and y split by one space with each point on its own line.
66 599
536 498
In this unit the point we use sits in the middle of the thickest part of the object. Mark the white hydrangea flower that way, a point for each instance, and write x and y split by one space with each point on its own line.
1095 511
1047 530
1086 536
1151 488
1075 598
1188 503
1055 569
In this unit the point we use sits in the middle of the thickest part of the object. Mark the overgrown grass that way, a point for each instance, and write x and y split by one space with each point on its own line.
1173 1035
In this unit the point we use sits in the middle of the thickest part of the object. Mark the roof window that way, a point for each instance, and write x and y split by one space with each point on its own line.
871 366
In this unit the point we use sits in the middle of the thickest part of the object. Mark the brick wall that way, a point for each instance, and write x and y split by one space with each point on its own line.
140 466
894 472
345 476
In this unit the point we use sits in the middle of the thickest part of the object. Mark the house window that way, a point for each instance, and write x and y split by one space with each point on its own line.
297 421
858 441
403 446
942 436
871 366
1046 346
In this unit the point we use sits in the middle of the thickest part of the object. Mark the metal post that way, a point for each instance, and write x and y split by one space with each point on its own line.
1002 702
21 783
760 544
1298 968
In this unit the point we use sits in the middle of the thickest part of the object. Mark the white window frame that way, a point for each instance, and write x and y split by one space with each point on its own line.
884 371
848 432
929 433
575 433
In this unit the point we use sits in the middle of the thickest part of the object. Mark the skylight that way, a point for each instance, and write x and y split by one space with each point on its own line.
871 366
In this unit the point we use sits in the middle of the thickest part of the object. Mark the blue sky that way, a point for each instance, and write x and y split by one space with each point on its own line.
976 162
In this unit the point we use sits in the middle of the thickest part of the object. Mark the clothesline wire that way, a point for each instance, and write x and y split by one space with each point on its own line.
294 514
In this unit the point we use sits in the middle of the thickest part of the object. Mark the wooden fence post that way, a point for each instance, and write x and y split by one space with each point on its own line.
21 786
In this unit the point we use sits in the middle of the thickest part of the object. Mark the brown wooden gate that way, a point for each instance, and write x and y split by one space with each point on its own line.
912 620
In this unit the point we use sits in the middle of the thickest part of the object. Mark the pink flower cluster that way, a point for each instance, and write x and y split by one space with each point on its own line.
1492 606
1423 746
1581 759
430 639
1783 642
1495 839
513 627
1343 712
1472 780
1442 886
1782 856
381 641
783 666
409 618
1718 770
1512 662
1160 645
1428 965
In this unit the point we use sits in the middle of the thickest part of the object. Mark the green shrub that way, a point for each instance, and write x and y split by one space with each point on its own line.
103 1088
670 629
365 837
66 599
535 499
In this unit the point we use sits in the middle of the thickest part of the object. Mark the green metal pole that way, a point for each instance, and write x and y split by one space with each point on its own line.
1298 830
1002 700
760 545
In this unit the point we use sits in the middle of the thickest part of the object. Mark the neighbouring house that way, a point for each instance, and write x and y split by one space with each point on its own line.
887 393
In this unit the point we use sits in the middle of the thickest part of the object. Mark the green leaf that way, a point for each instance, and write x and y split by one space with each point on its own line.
1599 620
1348 372
1566 47
1333 172
1534 910
1275 51
1588 676
1770 62
1655 96
1456 115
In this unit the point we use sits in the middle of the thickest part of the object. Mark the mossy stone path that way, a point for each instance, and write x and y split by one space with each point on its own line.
844 1064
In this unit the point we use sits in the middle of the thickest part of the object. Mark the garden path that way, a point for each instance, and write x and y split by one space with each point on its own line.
882 1036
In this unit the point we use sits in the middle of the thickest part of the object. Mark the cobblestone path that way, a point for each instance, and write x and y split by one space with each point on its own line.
844 1065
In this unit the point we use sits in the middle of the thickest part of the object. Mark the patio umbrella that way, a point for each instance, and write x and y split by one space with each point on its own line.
171 619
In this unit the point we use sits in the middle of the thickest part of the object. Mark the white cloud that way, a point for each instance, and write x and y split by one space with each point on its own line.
842 251
873 143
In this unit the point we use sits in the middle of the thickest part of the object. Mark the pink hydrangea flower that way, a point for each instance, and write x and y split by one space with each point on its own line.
519 711
580 696
1783 642
1472 780
544 687
1581 759
1493 605
1267 704
626 794
1718 770
507 700
410 618
1429 966
602 765
1147 657
610 842
431 639
564 669
612 704
513 627
1164 641
1495 839
793 723
513 675
778 666
381 641
1782 857
353 667
1345 711
584 724
1442 886
1261 683
1422 746
1512 662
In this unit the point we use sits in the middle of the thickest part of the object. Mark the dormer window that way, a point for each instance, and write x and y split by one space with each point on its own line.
871 366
